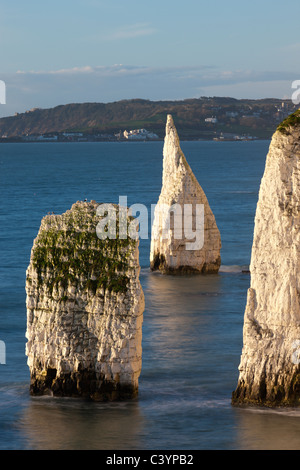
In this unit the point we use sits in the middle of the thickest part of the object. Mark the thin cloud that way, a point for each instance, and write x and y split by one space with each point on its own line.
73 70
132 31
202 74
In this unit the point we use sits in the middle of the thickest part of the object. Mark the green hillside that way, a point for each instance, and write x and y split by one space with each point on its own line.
257 118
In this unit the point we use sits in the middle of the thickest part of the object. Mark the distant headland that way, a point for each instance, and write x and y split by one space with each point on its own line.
205 118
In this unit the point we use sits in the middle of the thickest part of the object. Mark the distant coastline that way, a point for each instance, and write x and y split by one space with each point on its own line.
19 140
205 118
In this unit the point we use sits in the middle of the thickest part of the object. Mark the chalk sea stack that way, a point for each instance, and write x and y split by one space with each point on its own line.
84 309
171 249
269 372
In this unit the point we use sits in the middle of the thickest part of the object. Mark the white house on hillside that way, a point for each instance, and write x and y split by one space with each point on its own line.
212 120
139 134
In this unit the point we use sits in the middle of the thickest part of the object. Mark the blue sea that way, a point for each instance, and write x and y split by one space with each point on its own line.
192 330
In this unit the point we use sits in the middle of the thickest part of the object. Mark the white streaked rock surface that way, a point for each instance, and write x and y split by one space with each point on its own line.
189 240
84 309
269 371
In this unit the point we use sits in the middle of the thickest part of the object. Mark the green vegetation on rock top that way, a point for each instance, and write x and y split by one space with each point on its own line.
68 251
291 121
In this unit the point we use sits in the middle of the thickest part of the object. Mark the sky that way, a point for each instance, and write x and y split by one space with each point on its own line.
74 51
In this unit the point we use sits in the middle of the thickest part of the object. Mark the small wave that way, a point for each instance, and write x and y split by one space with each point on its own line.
293 412
234 269
240 192
12 394
145 270
173 403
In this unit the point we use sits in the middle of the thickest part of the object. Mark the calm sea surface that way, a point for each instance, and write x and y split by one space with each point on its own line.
192 330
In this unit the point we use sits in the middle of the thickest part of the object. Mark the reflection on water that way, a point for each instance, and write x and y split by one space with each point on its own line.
185 328
267 429
176 320
50 423
179 306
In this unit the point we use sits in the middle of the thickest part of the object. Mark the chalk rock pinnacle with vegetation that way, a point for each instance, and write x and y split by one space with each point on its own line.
84 309
185 237
269 372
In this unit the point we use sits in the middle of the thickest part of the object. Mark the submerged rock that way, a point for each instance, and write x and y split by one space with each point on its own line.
185 237
269 372
84 309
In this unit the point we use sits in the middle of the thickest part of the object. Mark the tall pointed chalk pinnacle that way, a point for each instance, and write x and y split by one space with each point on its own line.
269 370
185 237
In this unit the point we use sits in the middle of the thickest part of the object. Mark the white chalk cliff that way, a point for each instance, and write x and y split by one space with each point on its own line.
269 373
185 237
84 309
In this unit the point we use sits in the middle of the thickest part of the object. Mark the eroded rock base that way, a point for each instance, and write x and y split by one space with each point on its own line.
272 392
159 264
83 384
